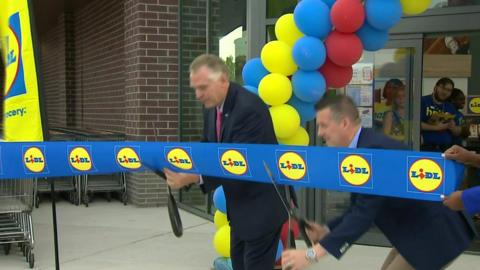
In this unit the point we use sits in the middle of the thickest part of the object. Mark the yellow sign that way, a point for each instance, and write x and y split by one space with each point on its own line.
292 166
474 105
128 158
234 162
80 159
34 160
355 170
21 110
425 175
180 159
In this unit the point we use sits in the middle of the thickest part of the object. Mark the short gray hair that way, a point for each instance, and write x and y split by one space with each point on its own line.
212 62
340 106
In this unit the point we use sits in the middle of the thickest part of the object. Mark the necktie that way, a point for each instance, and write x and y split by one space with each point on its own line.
218 124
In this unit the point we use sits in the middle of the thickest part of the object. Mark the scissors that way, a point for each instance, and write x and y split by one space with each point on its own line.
302 224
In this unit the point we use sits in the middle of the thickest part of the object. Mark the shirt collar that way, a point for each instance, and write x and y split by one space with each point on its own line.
354 142
220 107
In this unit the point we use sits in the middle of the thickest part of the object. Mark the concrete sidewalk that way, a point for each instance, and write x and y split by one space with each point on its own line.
112 236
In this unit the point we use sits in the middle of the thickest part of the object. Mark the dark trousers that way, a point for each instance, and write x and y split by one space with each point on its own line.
256 254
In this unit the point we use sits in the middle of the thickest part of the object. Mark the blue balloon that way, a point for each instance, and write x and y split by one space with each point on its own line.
251 89
253 72
329 3
383 14
306 110
313 18
279 250
308 86
219 200
372 39
309 53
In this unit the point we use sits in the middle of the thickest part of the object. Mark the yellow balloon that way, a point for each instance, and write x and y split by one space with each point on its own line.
286 30
413 7
220 219
275 89
286 120
299 138
400 53
277 57
221 241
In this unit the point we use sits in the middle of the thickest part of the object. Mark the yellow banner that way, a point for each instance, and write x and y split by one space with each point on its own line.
22 119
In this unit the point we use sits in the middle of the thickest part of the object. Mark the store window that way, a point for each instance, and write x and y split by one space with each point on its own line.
453 3
216 27
276 8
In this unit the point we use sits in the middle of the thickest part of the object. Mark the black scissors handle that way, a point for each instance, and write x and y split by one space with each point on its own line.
303 226
173 213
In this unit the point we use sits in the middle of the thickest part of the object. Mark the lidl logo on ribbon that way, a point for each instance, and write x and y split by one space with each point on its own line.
425 174
128 158
15 79
80 158
355 170
179 157
234 161
34 159
292 165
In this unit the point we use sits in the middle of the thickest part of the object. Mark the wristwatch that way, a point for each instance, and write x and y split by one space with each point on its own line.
311 255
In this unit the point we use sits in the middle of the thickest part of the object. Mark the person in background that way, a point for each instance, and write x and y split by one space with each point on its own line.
458 100
437 116
425 235
469 199
394 123
385 105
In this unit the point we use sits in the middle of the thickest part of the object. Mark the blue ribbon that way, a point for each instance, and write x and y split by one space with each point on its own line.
405 174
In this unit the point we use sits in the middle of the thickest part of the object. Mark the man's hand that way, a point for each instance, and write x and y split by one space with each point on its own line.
454 201
460 154
295 259
316 232
178 180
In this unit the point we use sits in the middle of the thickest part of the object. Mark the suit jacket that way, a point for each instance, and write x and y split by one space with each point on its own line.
427 234
254 209
471 200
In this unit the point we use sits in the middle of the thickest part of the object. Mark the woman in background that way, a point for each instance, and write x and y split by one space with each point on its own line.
394 120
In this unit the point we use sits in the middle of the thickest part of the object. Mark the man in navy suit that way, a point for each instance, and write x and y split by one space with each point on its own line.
469 199
234 115
425 235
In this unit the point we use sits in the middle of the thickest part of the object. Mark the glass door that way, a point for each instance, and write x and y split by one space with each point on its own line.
387 88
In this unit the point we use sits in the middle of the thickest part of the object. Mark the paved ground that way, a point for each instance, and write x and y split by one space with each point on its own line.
112 236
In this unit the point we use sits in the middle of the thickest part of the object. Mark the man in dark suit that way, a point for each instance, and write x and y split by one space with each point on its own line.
234 115
425 235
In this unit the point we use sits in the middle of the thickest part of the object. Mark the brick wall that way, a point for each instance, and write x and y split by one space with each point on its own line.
99 95
114 65
52 62
151 56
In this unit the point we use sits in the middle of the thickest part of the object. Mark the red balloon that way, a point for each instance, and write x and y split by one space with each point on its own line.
336 76
343 49
347 15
